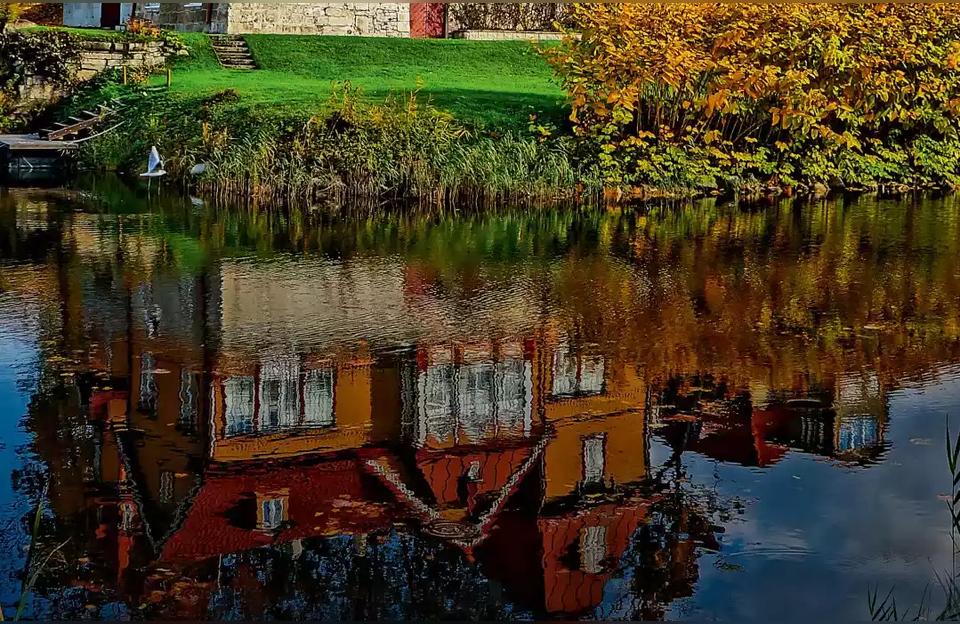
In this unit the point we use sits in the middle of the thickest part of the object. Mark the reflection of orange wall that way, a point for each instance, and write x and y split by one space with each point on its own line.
109 459
352 398
623 389
625 451
575 418
353 422
385 401
574 591
167 449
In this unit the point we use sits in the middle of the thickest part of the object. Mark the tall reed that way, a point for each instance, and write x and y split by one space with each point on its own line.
886 609
352 149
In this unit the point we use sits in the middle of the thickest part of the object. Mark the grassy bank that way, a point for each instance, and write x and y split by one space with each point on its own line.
490 84
342 116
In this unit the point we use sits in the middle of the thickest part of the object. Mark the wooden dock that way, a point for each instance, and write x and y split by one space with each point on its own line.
29 151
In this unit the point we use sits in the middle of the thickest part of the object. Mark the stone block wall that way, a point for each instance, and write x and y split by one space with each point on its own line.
98 56
501 35
191 17
386 19
95 57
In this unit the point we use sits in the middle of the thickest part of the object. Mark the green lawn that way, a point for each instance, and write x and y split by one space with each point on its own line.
496 84
94 34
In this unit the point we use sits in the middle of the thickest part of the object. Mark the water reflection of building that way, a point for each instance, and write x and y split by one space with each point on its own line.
455 438
843 417
525 455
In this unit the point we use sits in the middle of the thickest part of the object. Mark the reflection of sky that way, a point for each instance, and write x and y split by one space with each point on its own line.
18 353
816 536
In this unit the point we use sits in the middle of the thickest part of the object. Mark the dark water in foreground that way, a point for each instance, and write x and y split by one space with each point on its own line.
699 412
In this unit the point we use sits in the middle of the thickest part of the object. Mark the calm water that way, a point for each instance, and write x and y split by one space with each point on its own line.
701 412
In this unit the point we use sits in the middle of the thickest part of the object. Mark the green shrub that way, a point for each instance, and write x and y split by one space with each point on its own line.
46 55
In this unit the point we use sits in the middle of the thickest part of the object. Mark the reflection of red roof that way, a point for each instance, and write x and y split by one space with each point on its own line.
443 472
761 425
100 398
333 496
732 440
575 591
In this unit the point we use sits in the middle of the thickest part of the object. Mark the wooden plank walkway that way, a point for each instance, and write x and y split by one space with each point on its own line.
14 144
28 152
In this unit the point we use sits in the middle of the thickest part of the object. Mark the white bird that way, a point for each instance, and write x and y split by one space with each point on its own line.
154 165
198 169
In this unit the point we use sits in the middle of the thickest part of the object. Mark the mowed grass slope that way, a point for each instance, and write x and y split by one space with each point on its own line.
492 84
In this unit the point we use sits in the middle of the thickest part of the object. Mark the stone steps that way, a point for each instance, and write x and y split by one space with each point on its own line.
232 52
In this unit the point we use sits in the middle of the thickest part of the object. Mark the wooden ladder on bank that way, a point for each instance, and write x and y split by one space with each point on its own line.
83 123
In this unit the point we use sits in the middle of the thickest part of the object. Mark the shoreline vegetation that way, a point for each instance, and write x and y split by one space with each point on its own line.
639 101
335 118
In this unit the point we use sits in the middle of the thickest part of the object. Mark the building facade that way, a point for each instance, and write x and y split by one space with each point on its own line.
96 14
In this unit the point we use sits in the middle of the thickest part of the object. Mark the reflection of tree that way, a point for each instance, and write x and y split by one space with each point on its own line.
662 564
683 288
393 575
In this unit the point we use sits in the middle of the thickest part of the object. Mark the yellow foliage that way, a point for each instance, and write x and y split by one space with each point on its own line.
797 76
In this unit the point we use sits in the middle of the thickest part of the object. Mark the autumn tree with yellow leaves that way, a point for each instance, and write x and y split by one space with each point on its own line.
744 95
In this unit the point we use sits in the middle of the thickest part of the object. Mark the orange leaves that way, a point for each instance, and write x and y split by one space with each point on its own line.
738 78
953 57
714 101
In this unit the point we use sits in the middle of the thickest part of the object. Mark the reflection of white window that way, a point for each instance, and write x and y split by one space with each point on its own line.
857 432
166 486
474 402
593 549
318 398
575 374
475 391
813 434
272 513
279 396
513 395
564 374
594 458
238 396
128 516
473 471
437 402
148 383
189 399
591 375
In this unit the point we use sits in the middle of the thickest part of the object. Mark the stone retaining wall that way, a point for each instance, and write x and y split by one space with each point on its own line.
98 56
187 17
388 19
95 57
504 35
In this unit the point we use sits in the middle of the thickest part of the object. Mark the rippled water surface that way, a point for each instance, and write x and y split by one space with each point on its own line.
711 411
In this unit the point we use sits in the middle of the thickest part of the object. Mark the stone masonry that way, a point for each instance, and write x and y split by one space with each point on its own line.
348 18
386 19
502 35
97 56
